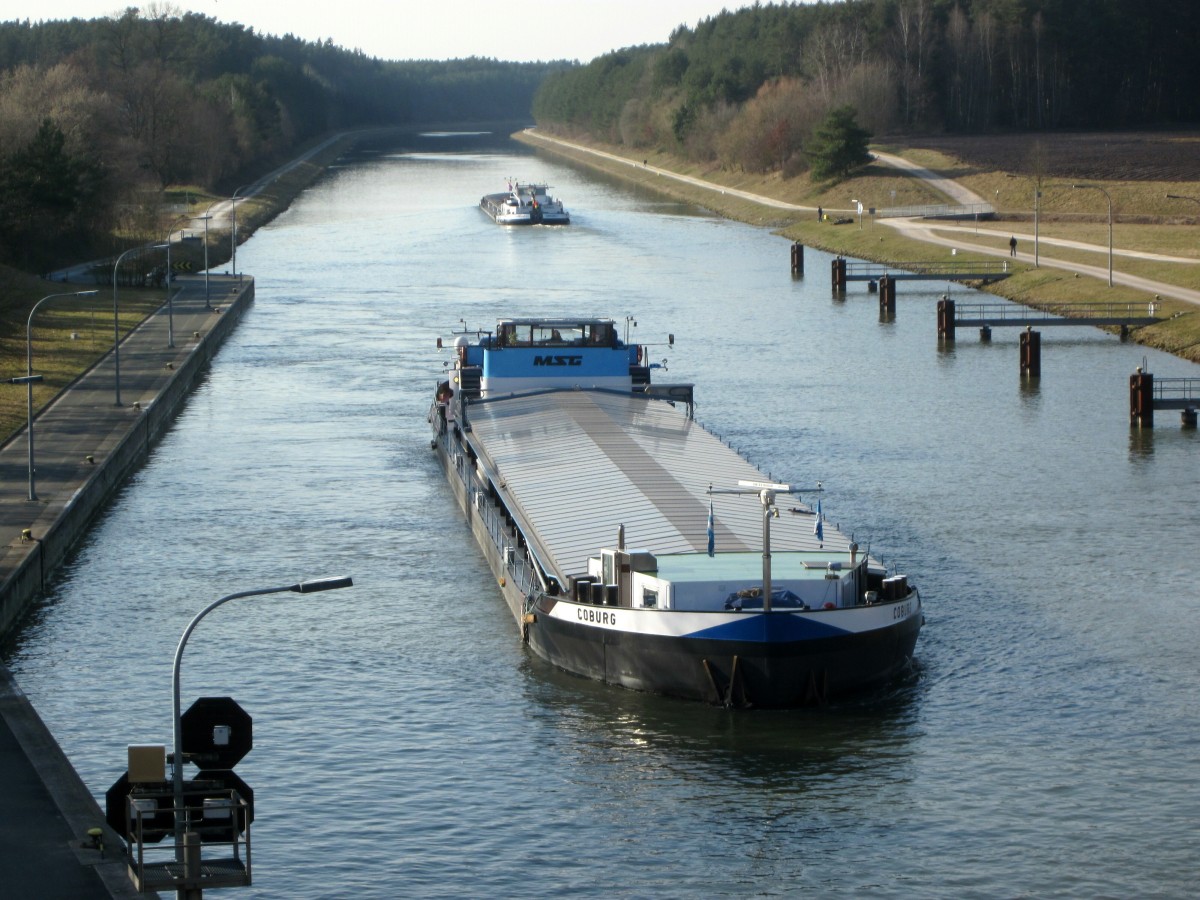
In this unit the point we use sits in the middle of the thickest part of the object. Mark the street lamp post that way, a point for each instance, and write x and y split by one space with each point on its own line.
233 247
117 327
303 587
170 299
30 378
1097 187
1037 197
206 217
117 321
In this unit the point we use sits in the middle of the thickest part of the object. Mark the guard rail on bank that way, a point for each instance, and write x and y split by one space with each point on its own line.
939 211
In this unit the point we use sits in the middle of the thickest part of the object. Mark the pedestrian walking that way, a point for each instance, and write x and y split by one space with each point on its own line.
1012 246
820 214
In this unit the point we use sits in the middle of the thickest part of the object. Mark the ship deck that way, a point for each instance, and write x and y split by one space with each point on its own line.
573 466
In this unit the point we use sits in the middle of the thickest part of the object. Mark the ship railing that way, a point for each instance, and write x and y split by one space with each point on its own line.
516 560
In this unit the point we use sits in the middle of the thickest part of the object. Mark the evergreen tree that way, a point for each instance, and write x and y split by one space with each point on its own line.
838 146
44 195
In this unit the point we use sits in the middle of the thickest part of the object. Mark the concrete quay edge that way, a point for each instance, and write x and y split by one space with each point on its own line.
85 448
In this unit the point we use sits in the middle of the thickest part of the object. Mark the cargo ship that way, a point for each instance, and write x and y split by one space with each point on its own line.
525 204
634 547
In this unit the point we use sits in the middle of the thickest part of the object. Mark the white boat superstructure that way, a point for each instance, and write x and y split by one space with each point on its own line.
525 203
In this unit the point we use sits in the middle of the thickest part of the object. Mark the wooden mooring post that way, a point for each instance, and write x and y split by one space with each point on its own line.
839 275
1031 352
797 258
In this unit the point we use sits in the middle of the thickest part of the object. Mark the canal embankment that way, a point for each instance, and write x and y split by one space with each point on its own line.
1046 273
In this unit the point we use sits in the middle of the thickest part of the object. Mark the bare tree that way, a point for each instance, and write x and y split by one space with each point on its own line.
911 41
985 66
869 90
832 52
28 96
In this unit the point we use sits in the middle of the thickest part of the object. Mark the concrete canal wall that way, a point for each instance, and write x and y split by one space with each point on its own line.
34 556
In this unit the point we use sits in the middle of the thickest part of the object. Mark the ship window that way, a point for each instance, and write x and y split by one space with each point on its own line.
548 336
649 597
512 335
601 334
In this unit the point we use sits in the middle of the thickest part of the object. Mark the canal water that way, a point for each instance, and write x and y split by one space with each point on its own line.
405 744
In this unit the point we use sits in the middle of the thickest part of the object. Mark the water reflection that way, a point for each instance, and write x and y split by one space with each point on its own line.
1141 443
776 750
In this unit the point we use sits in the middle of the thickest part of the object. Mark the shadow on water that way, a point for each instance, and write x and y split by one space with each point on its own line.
776 747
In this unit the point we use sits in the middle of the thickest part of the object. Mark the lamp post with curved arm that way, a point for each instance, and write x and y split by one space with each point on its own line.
170 304
30 378
117 326
207 215
117 321
1096 187
303 587
233 247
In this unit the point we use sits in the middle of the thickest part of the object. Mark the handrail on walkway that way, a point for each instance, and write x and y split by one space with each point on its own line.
1177 390
859 269
939 211
998 313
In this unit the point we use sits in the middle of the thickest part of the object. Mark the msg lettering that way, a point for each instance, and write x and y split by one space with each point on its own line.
901 611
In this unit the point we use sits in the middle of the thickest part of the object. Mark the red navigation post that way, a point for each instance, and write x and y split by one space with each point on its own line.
945 319
1141 399
1031 352
839 275
887 296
